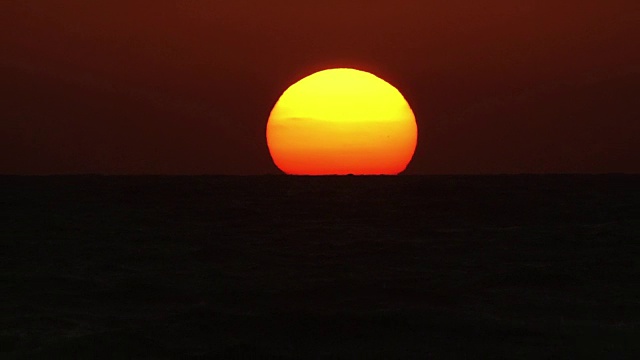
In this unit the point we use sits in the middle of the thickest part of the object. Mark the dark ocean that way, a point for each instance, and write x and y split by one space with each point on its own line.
353 267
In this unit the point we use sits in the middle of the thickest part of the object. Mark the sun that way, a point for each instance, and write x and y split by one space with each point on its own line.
342 121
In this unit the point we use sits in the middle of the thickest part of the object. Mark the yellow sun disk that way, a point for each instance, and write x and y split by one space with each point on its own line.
341 121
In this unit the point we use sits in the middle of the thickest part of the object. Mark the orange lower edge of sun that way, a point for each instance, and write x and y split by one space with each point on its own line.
342 121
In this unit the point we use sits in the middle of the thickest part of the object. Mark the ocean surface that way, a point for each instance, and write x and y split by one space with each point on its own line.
282 267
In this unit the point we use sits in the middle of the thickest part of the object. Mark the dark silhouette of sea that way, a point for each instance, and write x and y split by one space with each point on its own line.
287 267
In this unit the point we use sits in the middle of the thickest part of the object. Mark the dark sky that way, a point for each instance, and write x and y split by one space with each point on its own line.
185 87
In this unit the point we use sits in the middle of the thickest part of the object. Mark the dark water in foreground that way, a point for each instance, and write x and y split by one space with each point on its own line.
328 267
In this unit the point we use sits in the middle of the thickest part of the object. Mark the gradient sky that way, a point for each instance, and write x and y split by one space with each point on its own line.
186 87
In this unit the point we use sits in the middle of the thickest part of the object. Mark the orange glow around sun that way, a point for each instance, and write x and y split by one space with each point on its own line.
341 121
